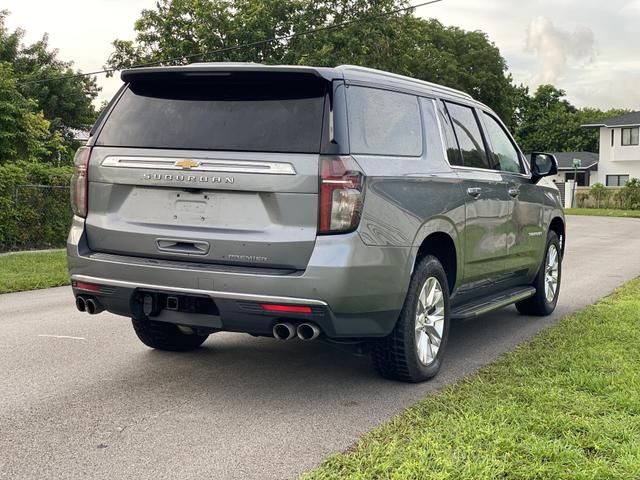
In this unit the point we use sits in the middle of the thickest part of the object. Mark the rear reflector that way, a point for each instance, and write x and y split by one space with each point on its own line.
89 287
285 308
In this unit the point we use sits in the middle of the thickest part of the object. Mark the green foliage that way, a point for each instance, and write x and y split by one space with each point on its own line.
600 193
629 195
33 217
33 270
546 121
563 406
399 43
603 212
36 118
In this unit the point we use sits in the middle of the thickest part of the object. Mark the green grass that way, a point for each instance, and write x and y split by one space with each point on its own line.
564 406
603 212
30 271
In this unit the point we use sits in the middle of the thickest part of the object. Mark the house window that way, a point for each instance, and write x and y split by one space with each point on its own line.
617 180
630 136
582 178
613 136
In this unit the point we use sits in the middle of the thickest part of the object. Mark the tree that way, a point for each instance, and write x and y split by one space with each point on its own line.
60 104
24 132
548 122
398 42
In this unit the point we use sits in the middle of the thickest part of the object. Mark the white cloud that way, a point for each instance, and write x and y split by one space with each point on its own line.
560 50
555 47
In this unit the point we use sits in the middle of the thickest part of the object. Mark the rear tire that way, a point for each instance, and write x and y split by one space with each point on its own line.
413 352
166 336
543 303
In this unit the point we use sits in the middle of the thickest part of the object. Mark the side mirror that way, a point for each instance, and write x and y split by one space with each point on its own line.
543 165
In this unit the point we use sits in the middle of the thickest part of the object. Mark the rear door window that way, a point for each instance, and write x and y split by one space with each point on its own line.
382 122
237 113
467 130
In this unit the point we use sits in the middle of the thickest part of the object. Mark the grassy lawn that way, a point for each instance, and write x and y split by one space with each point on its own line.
564 406
29 271
603 212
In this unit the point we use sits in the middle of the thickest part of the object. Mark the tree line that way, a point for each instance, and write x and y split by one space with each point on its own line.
36 119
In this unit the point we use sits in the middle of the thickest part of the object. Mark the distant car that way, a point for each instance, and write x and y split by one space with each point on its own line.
347 204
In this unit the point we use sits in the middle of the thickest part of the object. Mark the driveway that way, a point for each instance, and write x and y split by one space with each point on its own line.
81 397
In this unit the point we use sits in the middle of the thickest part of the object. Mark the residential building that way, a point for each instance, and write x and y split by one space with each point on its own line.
619 149
587 172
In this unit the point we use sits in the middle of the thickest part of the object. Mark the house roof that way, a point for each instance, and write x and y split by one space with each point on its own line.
627 120
565 160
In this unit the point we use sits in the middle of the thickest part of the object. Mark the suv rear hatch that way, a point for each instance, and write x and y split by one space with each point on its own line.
211 167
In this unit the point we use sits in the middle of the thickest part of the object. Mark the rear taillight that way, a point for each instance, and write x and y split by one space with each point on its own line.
79 182
341 195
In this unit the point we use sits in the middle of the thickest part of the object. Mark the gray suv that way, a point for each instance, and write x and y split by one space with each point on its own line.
355 206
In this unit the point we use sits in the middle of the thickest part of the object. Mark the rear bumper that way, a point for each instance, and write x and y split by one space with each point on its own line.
354 290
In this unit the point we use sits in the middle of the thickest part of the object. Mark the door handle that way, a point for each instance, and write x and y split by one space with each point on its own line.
514 192
474 191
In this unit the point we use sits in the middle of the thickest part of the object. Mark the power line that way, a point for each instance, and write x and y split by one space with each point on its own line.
236 47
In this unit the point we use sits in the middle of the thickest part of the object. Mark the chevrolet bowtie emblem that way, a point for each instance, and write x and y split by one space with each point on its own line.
187 164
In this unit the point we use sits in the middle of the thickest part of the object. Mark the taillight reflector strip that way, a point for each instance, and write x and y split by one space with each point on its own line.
89 287
285 308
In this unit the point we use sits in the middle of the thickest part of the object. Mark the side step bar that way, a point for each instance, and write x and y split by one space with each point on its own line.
486 305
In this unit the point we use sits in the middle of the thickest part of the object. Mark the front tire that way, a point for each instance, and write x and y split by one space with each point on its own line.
547 282
414 350
166 336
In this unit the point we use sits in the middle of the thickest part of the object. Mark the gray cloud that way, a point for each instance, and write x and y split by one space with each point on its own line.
555 48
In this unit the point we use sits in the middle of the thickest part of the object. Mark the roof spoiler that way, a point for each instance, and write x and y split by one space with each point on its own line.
221 69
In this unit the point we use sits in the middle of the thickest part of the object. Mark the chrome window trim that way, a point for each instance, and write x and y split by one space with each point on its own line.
204 165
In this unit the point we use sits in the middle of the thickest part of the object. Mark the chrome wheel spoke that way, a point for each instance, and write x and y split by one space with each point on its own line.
552 268
429 321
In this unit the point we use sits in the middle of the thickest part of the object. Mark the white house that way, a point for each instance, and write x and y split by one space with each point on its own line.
586 174
619 149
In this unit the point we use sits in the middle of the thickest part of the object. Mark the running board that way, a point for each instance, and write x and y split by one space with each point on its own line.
486 305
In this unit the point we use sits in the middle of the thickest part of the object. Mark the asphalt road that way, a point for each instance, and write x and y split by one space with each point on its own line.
80 397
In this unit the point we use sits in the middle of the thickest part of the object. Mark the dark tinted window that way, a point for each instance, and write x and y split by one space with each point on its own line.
505 156
451 144
245 113
383 122
469 137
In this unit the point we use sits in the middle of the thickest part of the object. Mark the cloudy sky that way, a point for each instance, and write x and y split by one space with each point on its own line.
587 47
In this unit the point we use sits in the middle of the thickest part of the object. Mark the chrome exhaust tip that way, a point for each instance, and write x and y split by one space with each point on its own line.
81 305
308 332
284 331
93 306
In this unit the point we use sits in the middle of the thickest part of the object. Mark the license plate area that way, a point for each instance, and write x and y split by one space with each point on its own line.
153 303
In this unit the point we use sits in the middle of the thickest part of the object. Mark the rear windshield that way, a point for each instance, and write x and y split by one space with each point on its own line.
281 113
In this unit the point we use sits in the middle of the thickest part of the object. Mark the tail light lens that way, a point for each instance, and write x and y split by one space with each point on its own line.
341 195
79 182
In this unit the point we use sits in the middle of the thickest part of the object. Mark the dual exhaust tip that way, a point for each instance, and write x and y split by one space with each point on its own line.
89 305
304 331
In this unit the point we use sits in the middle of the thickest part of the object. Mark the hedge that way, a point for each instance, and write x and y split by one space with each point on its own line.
34 206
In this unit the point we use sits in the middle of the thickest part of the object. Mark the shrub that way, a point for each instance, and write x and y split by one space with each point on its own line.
630 195
33 217
599 193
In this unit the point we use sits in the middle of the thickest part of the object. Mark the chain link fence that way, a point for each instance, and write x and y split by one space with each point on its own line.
40 218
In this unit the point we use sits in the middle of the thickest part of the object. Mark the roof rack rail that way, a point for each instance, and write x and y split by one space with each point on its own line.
382 73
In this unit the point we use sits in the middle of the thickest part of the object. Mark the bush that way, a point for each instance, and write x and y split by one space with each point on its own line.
629 196
34 217
599 193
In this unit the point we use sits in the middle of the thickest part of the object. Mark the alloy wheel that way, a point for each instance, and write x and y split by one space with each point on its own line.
552 267
429 322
